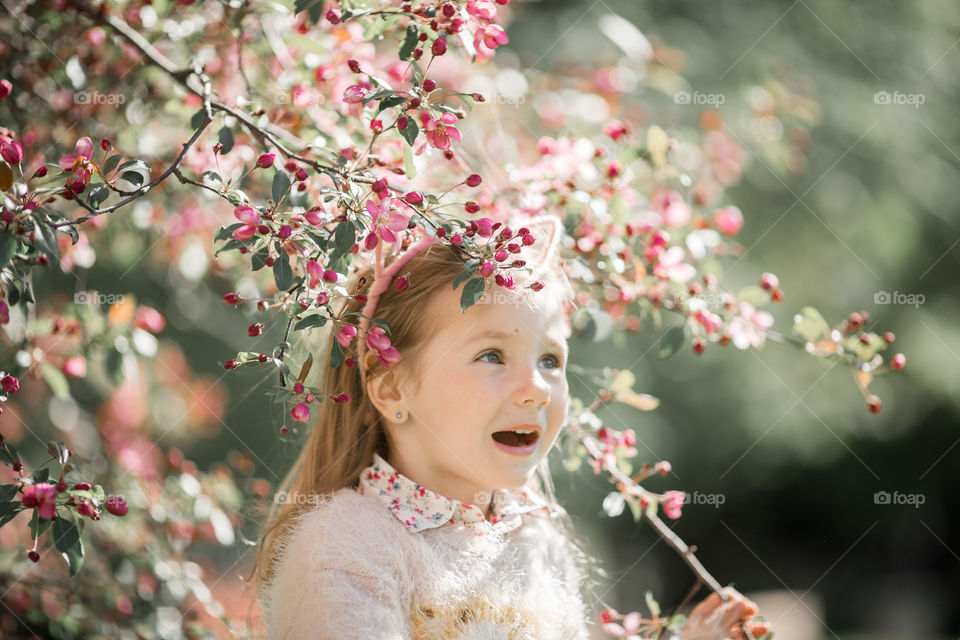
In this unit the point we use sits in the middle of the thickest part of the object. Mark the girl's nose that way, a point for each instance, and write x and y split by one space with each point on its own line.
532 390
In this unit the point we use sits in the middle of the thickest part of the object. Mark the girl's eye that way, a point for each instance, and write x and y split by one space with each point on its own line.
554 360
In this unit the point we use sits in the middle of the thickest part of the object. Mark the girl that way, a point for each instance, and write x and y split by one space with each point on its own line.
423 508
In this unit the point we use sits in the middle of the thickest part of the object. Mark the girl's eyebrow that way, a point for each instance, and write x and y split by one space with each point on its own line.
503 335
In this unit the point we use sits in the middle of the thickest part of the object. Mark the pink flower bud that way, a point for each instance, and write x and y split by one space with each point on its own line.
254 330
474 180
354 94
728 220
456 239
472 207
149 319
439 47
354 65
230 364
86 509
323 298
116 506
11 151
672 503
301 412
231 298
346 335
5 88
402 283
537 285
769 281
340 398
898 362
10 384
246 214
487 269
298 387
329 275
413 197
313 218
75 366
376 125
265 160
245 232
501 255
301 175
484 226
285 231
402 123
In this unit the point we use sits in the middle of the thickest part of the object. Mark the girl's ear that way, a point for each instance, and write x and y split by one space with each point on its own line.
384 392
547 229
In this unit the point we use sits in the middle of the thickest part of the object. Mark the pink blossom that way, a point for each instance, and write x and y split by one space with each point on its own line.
710 321
487 39
631 624
483 9
671 206
670 266
43 496
440 132
748 328
386 221
11 151
246 214
245 232
149 319
728 220
75 367
484 227
378 341
315 271
79 164
672 502
301 412
265 160
116 505
346 334
354 94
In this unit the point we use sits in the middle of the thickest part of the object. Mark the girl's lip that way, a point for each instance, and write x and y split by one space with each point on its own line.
517 451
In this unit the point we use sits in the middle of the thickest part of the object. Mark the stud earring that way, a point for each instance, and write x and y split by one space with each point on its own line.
399 415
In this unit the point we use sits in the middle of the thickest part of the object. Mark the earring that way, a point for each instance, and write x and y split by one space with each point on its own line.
399 415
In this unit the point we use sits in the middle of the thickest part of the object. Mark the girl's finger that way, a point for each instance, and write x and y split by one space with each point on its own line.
757 629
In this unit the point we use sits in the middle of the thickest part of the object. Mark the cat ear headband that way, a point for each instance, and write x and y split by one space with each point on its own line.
540 253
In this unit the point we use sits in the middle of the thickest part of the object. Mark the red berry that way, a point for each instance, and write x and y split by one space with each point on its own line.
33 555
262 357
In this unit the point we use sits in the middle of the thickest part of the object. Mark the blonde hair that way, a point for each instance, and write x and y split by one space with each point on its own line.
344 439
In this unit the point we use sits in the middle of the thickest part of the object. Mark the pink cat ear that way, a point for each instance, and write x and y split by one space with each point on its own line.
547 229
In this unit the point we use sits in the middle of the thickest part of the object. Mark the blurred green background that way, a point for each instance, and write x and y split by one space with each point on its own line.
786 442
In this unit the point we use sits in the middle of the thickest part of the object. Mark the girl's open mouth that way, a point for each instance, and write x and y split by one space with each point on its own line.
518 443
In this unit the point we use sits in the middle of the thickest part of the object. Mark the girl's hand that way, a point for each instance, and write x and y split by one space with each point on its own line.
715 619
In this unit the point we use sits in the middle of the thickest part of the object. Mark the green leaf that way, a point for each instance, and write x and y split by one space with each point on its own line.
316 320
346 235
211 175
258 260
66 537
41 475
224 233
284 369
38 525
336 354
197 120
45 241
55 380
282 273
7 492
59 451
112 162
471 293
8 247
133 178
409 42
98 194
314 8
810 325
225 135
469 270
9 453
281 184
671 342
409 168
417 74
392 101
410 133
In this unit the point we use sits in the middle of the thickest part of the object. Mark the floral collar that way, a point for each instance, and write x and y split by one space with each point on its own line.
418 508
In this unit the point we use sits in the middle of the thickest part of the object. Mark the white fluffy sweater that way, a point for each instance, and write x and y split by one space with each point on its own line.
392 560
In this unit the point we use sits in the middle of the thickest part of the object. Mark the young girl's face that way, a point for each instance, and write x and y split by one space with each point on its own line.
497 367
